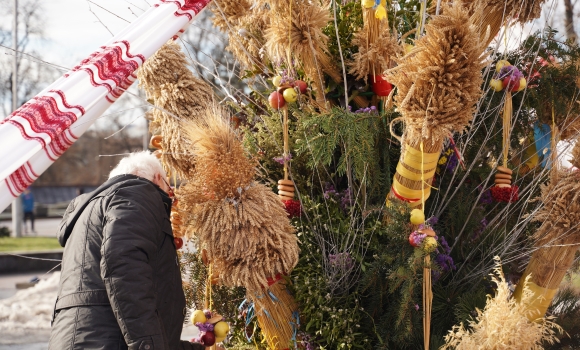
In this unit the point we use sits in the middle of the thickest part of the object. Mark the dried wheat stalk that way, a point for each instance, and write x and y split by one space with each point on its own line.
245 25
439 82
242 225
295 31
376 47
167 81
503 324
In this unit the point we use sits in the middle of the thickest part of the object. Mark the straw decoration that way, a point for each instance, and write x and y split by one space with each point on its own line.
242 225
296 32
490 16
277 315
167 81
375 45
557 239
503 324
439 82
245 25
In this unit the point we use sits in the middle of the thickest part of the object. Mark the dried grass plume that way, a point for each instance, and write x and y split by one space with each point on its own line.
503 324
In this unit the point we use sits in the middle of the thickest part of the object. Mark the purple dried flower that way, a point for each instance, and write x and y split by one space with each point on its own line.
204 327
443 258
432 221
416 307
510 71
283 158
486 198
341 260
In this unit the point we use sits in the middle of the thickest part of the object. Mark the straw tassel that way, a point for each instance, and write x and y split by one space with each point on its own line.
276 310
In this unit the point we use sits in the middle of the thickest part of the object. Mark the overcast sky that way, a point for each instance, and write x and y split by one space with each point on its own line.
73 32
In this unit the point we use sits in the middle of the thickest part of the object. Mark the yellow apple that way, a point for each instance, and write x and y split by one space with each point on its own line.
221 329
198 316
417 217
500 64
496 85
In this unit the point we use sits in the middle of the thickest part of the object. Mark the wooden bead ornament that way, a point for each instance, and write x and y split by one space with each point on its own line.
503 191
156 141
286 189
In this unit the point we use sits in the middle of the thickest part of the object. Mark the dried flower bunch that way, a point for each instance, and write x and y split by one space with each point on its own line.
439 82
295 31
173 88
242 225
503 324
376 53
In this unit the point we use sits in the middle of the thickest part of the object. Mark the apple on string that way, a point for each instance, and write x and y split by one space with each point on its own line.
276 100
301 86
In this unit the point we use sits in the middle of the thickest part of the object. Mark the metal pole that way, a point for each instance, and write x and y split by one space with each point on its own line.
17 210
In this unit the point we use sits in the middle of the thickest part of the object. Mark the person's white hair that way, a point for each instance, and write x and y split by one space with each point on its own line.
143 164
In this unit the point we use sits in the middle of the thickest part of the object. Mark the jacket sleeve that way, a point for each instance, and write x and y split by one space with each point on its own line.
129 246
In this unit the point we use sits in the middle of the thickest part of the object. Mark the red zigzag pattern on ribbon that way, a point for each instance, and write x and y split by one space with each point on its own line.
21 179
109 64
44 116
188 8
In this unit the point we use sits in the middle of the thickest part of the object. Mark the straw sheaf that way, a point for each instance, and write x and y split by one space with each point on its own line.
560 214
222 169
231 12
524 11
247 241
296 32
504 324
247 39
439 83
167 81
242 225
378 52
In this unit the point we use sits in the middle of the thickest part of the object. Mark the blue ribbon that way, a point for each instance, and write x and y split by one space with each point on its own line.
295 326
272 296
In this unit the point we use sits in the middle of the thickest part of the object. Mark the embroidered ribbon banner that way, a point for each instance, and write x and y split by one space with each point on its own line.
40 131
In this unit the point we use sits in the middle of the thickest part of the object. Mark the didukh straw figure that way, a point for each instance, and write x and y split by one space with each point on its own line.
241 224
557 239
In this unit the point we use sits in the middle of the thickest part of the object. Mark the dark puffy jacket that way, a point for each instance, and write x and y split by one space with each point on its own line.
120 285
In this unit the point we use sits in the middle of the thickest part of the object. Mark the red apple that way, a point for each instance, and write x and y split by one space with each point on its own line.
208 339
412 240
302 86
276 100
511 83
380 86
178 242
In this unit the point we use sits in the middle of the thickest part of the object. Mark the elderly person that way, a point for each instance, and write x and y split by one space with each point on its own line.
120 285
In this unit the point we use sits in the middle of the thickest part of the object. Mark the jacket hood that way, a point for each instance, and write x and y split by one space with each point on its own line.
76 207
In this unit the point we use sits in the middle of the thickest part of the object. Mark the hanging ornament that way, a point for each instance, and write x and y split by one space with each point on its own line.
380 86
276 100
156 141
277 80
511 80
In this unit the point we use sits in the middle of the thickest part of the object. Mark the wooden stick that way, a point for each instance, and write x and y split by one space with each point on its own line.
285 138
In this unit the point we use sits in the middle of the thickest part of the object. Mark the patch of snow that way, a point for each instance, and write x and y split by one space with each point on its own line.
30 308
